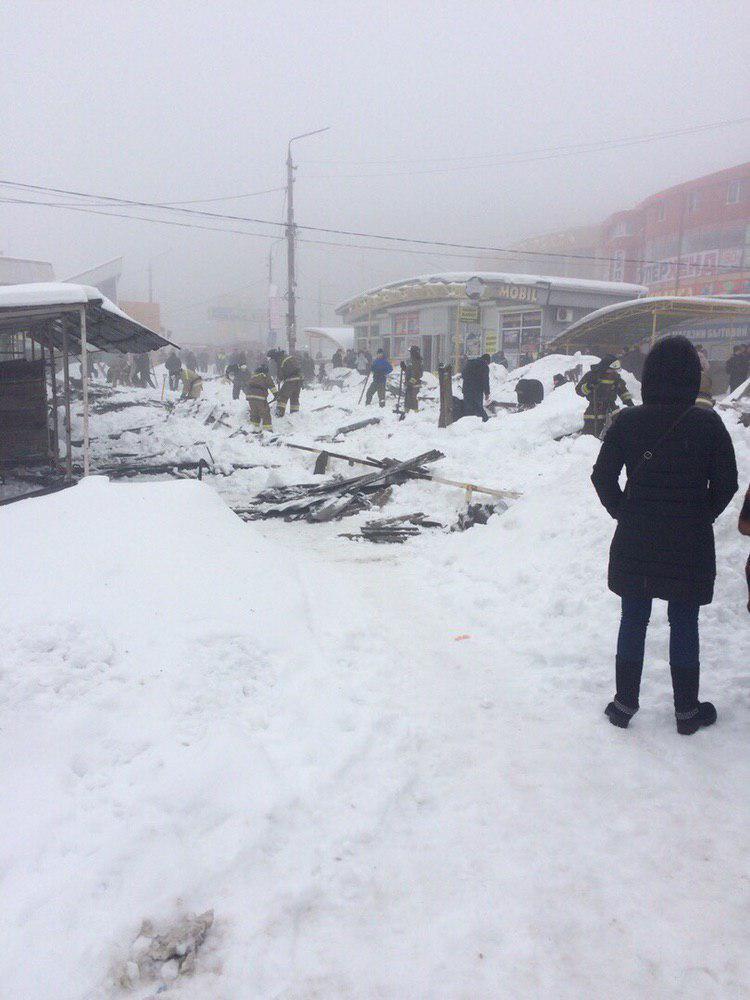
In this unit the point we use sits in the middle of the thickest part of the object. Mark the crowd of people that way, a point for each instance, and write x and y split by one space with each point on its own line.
679 458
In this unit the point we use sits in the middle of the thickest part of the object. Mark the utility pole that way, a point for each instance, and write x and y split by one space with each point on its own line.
320 303
291 314
270 286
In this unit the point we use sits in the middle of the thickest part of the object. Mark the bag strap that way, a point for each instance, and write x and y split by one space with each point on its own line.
649 454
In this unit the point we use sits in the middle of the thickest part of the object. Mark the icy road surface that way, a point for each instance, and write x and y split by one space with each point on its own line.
386 769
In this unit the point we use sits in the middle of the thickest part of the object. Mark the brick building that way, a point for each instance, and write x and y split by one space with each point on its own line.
692 239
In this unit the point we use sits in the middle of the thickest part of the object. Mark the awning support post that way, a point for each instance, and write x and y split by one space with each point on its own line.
66 390
457 339
85 383
55 421
653 328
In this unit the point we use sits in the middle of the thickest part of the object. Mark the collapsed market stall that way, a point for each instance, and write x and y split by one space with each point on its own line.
42 324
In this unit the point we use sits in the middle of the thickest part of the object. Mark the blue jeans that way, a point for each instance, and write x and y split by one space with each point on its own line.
684 653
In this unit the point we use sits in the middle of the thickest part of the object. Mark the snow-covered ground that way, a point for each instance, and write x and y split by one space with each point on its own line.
386 769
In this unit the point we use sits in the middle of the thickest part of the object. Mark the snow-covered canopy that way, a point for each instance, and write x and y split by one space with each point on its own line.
622 325
331 336
48 308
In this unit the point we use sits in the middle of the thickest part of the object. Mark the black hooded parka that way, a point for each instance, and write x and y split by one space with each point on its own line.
664 543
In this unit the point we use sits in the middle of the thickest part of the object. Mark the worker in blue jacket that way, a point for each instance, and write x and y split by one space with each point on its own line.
380 369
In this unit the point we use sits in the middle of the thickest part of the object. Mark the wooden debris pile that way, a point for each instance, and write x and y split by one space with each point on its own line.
392 530
337 498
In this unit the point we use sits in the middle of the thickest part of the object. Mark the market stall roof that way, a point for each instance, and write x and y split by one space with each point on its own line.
452 284
336 336
51 307
622 325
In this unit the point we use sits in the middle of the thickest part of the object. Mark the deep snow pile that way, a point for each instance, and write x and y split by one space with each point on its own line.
387 772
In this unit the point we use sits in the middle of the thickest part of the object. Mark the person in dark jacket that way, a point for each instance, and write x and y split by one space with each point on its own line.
738 367
380 369
476 384
744 526
173 366
413 371
601 386
337 361
681 475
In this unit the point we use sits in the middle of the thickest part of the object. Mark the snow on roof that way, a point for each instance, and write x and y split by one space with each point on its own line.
343 336
120 331
632 320
501 277
48 293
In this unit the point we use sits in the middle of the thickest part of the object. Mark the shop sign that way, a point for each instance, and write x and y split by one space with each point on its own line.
517 293
468 314
491 342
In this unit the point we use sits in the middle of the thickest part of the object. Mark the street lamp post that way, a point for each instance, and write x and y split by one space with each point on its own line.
291 315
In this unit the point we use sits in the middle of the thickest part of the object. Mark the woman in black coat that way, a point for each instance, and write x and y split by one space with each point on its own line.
681 475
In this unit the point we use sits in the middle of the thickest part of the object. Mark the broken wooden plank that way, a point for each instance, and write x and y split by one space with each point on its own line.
342 431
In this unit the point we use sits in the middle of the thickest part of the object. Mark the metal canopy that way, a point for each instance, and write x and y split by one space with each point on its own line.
621 326
52 309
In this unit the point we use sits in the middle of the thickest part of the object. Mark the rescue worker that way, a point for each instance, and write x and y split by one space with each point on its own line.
118 371
290 383
705 393
257 387
380 369
238 373
476 384
337 361
173 366
142 363
413 371
738 367
308 368
601 386
192 384
558 381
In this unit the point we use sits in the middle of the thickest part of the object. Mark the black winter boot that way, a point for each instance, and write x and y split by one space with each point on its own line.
619 715
690 722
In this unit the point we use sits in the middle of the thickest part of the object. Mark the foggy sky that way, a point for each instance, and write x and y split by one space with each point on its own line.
175 100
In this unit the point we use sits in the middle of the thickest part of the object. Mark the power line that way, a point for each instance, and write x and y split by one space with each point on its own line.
523 157
228 197
444 244
86 210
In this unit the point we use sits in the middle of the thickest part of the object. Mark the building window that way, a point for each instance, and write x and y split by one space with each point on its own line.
661 212
521 331
623 228
693 200
405 324
734 192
